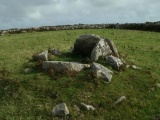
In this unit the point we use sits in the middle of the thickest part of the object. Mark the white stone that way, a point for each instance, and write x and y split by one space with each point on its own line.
122 98
87 107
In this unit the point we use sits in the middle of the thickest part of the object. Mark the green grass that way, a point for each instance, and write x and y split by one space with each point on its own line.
32 96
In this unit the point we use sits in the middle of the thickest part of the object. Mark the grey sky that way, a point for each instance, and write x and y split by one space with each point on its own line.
36 13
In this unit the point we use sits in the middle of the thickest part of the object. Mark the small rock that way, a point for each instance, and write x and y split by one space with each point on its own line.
122 98
87 107
135 67
60 110
28 70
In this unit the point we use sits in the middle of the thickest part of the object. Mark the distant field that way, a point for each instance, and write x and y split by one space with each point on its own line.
32 96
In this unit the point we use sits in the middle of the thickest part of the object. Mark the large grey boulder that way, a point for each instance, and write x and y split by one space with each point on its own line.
60 110
102 72
94 46
115 62
61 66
84 44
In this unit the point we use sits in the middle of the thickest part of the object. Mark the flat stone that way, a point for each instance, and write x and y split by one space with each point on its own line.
60 66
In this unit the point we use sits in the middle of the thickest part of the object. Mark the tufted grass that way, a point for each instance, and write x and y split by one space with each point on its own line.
32 96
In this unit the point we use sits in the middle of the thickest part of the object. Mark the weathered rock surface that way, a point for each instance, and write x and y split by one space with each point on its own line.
115 62
102 48
85 44
102 72
60 66
60 110
41 56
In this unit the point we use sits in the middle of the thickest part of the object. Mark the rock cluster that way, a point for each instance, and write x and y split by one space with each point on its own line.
89 45
94 46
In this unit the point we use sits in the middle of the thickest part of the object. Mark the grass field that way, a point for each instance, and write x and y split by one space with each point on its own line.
32 96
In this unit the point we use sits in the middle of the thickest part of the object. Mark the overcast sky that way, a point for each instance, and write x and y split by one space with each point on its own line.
36 13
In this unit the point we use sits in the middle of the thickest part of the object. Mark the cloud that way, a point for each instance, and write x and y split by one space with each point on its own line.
35 13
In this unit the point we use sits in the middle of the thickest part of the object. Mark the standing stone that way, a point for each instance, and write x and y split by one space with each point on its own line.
102 48
61 66
60 110
85 44
113 48
115 62
102 72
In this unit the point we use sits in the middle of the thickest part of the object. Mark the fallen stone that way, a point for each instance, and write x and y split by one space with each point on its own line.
28 70
61 66
115 62
54 52
41 56
60 110
84 44
102 72
87 107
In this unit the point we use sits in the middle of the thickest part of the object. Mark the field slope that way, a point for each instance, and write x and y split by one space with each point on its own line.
32 96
